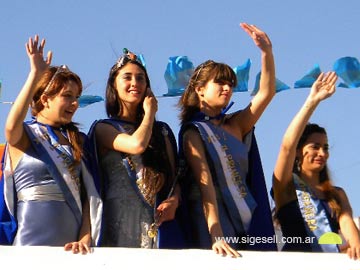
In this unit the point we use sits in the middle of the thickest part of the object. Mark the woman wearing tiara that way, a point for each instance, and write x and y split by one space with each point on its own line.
137 159
50 195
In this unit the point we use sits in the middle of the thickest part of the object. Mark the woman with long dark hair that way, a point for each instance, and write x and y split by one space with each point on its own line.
137 159
309 208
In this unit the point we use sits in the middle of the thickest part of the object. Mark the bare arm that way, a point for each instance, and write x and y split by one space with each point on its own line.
348 227
14 124
322 88
248 117
84 242
196 158
136 143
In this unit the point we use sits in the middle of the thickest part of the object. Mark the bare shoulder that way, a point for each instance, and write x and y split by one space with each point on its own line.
191 135
340 192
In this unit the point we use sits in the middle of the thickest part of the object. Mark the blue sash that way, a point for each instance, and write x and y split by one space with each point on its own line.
56 164
314 215
57 158
121 126
170 234
8 225
231 178
261 221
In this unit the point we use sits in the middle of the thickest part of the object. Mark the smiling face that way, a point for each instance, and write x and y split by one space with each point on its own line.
314 153
131 85
59 109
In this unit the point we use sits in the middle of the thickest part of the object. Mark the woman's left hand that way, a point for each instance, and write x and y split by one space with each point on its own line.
77 247
259 37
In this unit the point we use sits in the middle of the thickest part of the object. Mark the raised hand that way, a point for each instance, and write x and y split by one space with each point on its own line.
35 52
323 87
150 103
259 37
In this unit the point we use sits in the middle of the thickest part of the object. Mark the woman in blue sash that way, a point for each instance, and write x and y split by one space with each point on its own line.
309 208
137 159
49 193
225 191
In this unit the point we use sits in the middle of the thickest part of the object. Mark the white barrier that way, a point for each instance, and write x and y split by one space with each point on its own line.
39 258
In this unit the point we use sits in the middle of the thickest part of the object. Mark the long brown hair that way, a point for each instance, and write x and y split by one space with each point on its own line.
189 102
329 190
53 84
154 158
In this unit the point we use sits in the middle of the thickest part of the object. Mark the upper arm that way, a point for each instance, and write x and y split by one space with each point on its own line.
282 182
344 202
247 118
195 154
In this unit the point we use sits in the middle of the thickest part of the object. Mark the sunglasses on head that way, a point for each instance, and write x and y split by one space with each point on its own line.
60 69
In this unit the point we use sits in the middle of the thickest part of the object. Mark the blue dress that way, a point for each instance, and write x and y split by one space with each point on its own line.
41 199
250 169
127 214
292 225
44 218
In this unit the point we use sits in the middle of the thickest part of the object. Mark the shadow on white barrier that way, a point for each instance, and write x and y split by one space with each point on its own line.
124 258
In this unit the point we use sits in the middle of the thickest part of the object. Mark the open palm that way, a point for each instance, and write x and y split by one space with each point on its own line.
324 86
35 51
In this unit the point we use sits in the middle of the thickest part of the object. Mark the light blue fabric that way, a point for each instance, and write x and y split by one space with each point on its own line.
309 78
86 100
348 69
177 74
141 58
242 75
280 86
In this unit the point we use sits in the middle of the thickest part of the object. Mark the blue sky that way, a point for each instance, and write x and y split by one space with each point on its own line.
89 35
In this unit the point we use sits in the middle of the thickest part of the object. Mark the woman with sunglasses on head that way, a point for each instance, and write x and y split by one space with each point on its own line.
137 159
225 189
49 191
307 204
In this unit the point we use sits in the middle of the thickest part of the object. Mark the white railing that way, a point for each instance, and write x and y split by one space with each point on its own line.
41 258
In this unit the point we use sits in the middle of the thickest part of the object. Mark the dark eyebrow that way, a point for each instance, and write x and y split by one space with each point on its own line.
136 74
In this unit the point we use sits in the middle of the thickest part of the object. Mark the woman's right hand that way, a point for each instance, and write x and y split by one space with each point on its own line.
223 248
35 52
150 103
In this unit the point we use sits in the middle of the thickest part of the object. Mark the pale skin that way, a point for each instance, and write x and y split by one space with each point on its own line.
57 111
213 98
131 86
313 157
